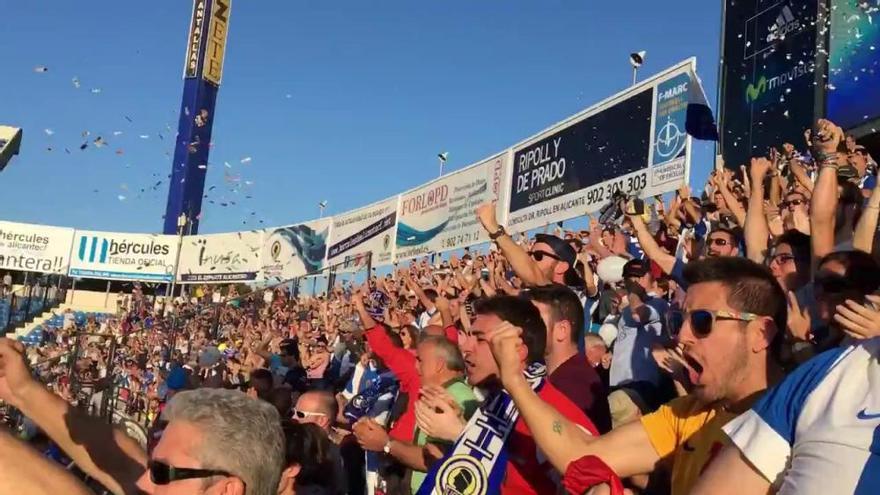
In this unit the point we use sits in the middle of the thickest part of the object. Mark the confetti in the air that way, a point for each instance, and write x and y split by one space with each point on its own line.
121 197
117 133
246 159
145 136
40 69
75 82
48 131
96 91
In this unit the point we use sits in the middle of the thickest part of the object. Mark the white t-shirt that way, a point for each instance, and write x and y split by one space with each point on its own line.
818 431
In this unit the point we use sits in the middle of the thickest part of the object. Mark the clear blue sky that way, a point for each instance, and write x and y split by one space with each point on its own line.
348 101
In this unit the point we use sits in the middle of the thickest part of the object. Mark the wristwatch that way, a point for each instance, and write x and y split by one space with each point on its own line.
498 233
387 447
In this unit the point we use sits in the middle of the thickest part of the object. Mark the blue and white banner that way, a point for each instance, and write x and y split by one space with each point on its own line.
295 250
439 216
120 256
366 230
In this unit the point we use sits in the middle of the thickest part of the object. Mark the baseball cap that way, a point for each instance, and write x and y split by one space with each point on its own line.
636 268
563 250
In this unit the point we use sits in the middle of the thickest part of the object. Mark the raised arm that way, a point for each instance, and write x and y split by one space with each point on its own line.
520 260
106 454
866 229
732 202
627 450
649 245
26 471
823 204
756 230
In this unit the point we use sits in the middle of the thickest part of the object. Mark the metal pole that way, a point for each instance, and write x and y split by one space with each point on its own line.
177 259
441 167
635 75
107 295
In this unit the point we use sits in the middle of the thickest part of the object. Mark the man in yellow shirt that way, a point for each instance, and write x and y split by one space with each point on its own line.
735 315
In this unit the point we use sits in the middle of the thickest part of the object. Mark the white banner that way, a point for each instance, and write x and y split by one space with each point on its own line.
634 142
34 248
114 255
368 229
295 250
221 258
439 216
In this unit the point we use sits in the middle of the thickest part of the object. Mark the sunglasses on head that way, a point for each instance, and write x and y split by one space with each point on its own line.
702 320
539 255
163 474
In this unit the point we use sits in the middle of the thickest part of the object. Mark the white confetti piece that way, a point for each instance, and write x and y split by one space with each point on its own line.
96 91
75 82
121 197
48 131
40 69
246 159
117 133
145 136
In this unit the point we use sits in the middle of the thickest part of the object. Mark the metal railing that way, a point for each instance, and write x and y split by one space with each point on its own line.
30 301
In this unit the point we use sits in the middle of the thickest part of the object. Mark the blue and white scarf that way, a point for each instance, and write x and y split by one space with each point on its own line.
477 462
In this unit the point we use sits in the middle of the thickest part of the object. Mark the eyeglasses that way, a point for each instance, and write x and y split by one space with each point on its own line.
702 320
163 474
794 202
717 241
539 255
781 259
297 414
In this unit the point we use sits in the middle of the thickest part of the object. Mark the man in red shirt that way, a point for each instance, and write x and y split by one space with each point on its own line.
488 438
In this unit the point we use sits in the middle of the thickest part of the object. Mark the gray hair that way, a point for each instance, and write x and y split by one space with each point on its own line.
445 350
242 435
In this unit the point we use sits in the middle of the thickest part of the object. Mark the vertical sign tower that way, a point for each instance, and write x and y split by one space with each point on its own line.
202 72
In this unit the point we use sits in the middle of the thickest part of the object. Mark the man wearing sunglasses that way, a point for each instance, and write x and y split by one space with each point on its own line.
216 442
735 311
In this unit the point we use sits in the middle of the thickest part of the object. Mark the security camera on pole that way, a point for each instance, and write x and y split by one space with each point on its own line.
321 206
636 60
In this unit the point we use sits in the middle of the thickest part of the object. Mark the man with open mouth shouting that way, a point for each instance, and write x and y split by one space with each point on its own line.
732 326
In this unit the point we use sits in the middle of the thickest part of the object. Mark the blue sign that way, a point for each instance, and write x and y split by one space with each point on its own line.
670 119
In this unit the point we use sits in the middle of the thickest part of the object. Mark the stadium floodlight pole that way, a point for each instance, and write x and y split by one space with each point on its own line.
181 229
321 206
442 157
636 59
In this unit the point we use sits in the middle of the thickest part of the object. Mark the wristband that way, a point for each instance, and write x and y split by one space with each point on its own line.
498 233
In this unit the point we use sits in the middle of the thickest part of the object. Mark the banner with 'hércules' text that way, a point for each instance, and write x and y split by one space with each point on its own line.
221 258
34 248
123 256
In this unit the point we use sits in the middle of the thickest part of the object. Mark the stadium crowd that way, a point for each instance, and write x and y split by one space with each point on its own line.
727 343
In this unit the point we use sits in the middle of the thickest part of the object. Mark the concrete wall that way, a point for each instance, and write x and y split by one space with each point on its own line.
92 300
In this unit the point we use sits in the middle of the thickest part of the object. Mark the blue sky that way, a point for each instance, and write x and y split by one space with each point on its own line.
348 101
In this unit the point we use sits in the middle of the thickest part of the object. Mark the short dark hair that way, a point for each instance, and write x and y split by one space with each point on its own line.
522 314
799 242
862 270
564 305
309 447
751 288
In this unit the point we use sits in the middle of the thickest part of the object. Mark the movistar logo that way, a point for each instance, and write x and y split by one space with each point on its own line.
753 92
764 85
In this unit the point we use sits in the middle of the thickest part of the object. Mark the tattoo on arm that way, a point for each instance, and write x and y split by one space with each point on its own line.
557 427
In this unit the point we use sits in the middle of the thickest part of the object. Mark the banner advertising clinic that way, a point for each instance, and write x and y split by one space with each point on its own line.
221 258
367 229
295 250
634 142
34 248
121 256
439 216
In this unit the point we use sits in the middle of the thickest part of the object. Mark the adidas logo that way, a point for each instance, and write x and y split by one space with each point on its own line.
785 24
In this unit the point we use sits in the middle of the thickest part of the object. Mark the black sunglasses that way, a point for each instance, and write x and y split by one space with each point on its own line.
539 255
794 202
717 241
163 474
702 320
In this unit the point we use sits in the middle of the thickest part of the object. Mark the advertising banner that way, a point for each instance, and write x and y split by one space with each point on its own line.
34 248
221 258
368 229
635 142
215 43
194 39
439 216
295 250
853 97
769 80
121 256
